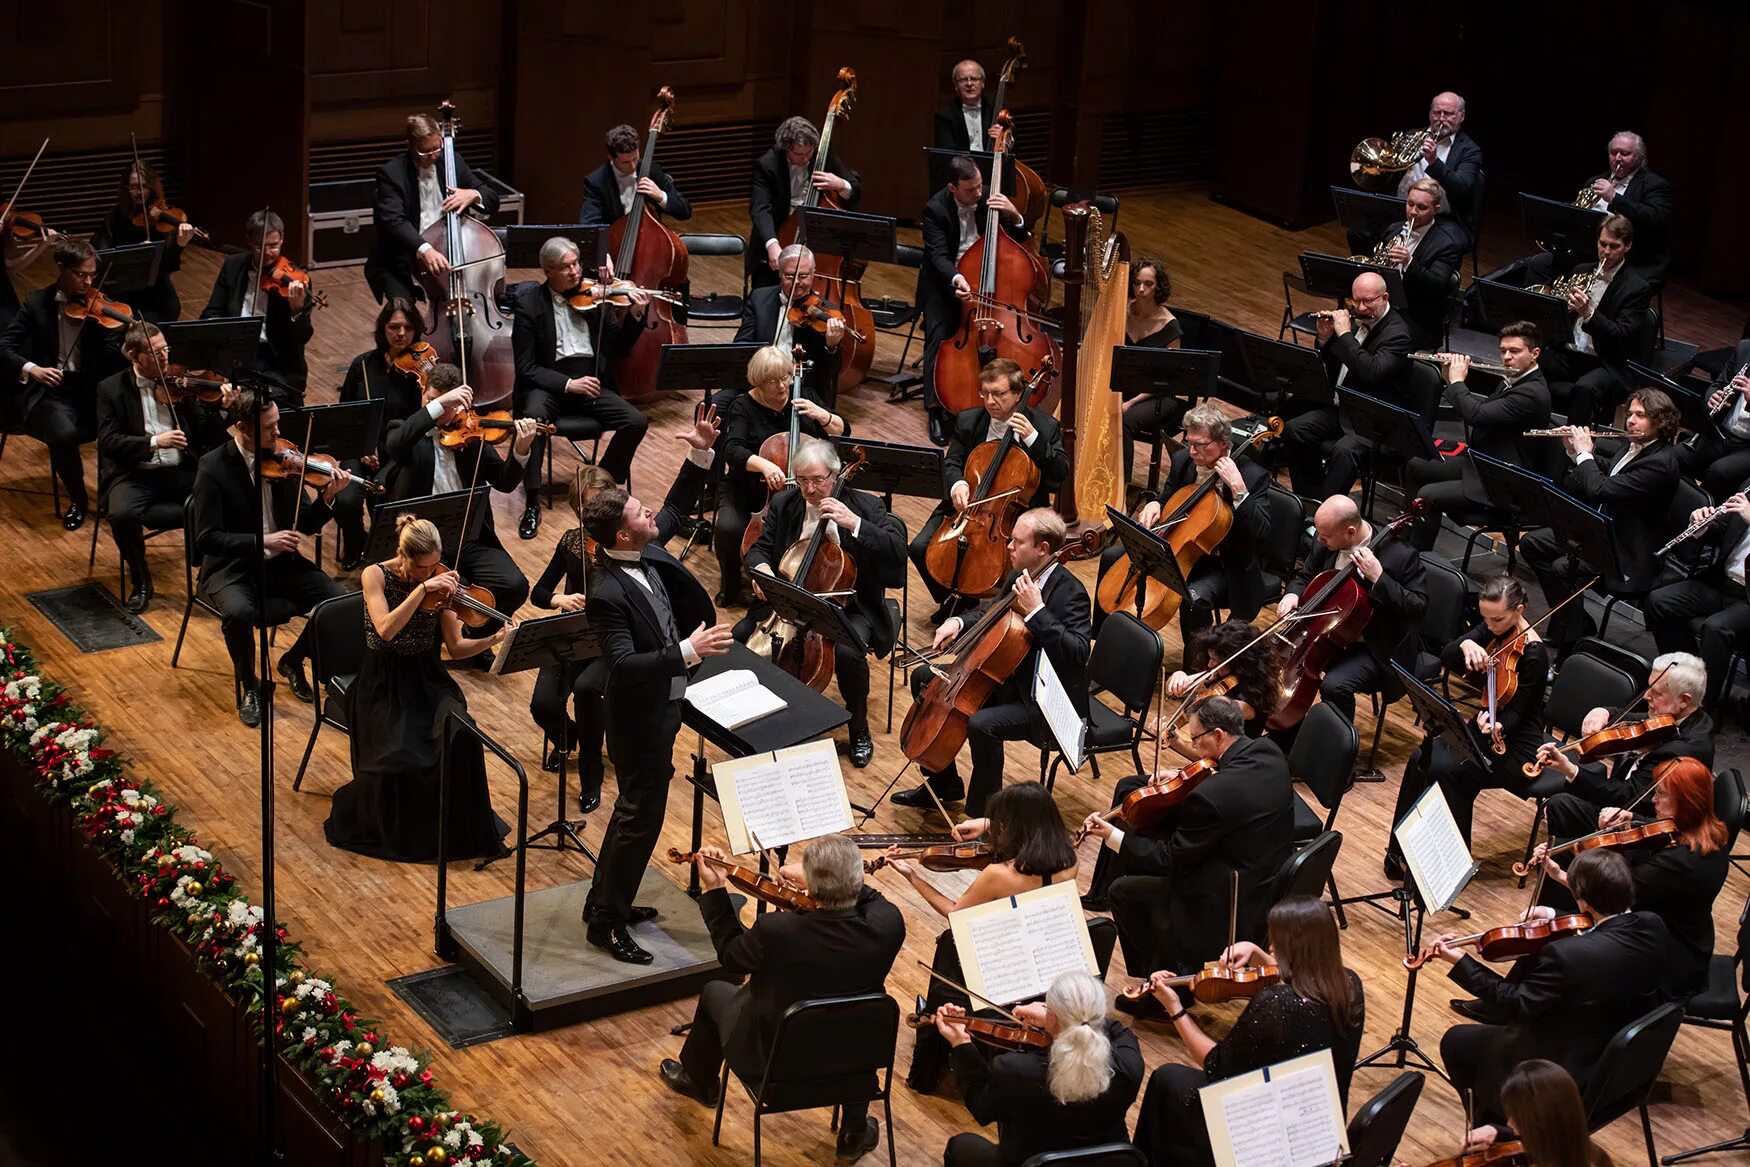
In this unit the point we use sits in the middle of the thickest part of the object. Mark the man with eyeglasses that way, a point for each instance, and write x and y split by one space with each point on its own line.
1001 387
963 122
53 363
860 527
410 198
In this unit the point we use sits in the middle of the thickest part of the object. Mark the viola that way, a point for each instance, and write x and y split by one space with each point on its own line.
1196 519
1337 611
646 252
1662 832
1147 805
23 226
1511 941
417 362
100 310
970 555
283 274
1508 1154
287 461
1613 740
178 383
1216 983
812 311
756 883
165 219
472 603
998 1034
470 426
592 294
777 450
973 856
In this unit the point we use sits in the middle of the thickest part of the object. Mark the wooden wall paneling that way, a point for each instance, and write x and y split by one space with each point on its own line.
373 62
1261 148
59 68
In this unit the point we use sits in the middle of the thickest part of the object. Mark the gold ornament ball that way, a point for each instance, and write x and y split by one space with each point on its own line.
295 977
94 789
363 1049
196 919
417 1160
436 1155
251 959
166 860
289 1006
377 1096
194 889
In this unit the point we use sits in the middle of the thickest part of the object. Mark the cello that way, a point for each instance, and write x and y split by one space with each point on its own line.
970 556
1030 195
777 450
1196 519
647 253
997 319
1338 610
465 326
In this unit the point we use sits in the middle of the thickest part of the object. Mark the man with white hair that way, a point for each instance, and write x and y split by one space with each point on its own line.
1450 157
763 317
963 121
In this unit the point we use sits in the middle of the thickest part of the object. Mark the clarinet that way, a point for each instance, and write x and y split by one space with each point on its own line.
1720 411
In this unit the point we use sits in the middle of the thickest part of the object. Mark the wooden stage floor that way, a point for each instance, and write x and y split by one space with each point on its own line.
589 1094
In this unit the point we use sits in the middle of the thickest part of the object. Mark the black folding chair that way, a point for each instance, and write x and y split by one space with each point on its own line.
1720 1006
1378 1126
1622 1078
1323 757
337 646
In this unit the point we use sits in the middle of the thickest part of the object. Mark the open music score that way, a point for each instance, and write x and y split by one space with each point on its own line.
734 698
1439 861
1285 1115
1012 949
784 797
1066 724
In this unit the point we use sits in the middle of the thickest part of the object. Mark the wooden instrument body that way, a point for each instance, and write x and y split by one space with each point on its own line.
970 553
1319 640
991 326
1216 984
1031 196
1144 807
1512 941
935 727
855 356
651 256
1206 520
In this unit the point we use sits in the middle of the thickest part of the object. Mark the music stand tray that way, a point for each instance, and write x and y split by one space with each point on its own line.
1364 213
1501 303
1691 400
709 367
1561 226
1185 373
1585 531
523 243
125 270
936 166
342 430
225 345
1334 276
1391 429
1277 371
849 234
892 468
1149 555
808 611
444 510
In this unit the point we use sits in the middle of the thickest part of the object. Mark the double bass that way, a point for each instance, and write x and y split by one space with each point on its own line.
999 319
648 254
462 320
1030 195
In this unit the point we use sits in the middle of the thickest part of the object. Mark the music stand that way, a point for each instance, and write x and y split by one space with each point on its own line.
123 270
809 612
1501 304
444 510
225 345
1183 373
848 234
936 166
1691 400
1282 369
708 367
1388 429
1334 276
559 641
1365 215
1149 556
342 430
523 243
1561 228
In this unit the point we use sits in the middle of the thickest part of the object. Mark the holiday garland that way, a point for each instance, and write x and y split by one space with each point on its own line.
379 1090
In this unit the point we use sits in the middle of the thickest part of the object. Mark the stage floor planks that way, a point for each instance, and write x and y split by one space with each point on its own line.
589 1094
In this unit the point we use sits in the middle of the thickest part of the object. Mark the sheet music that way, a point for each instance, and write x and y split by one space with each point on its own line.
785 797
1066 723
1436 854
1309 1121
1286 1115
1254 1125
733 698
1012 949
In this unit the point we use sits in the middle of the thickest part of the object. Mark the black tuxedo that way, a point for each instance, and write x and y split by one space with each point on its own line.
62 416
760 314
935 294
950 124
768 204
136 493
1718 602
1461 177
601 197
1376 364
1646 202
1621 329
645 668
390 270
282 351
1720 456
1428 279
1621 780
1564 1003
1171 902
1495 425
787 957
1398 598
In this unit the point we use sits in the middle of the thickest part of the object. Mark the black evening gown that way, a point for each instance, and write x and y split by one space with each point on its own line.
399 701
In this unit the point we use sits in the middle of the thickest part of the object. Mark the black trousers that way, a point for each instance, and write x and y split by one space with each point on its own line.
971 1149
1308 439
1460 781
1594 396
1571 815
930 1053
625 421
1439 483
581 685
920 546
60 421
1009 717
1672 610
938 327
1355 671
486 563
1141 910
1208 587
349 508
1145 419
1559 575
849 666
392 285
1170 1127
643 767
131 504
294 582
1721 464
727 528
1479 1058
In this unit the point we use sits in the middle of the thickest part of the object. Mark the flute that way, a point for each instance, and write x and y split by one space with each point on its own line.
1563 431
1448 358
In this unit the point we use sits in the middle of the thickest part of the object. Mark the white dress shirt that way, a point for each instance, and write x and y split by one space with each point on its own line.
445 477
570 330
800 179
633 563
1409 239
1360 330
155 425
628 189
431 200
1582 338
1420 170
1736 557
968 229
811 520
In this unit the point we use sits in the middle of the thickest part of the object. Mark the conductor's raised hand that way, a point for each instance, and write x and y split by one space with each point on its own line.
712 641
702 434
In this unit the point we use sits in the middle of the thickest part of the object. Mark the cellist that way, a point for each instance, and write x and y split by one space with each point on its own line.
781 178
1002 388
410 197
952 222
875 542
1054 605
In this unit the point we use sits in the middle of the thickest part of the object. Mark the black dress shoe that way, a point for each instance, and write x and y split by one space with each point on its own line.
681 1082
352 561
588 800
938 427
75 517
1476 1011
919 797
249 709
294 675
1094 903
640 914
531 521
862 749
555 757
141 597
854 1144
618 943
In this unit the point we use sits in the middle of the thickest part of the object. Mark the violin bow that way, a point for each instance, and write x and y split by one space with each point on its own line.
261 257
937 799
304 468
951 982
1532 627
18 191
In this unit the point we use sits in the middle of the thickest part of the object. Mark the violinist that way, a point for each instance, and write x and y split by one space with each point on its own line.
1563 1002
564 586
1677 690
146 458
15 255
1546 1114
1316 1004
875 542
1231 578
1715 595
963 121
763 318
845 948
56 359
133 219
1073 1094
403 694
1030 849
953 220
233 523
1503 634
610 188
781 178
410 197
1679 882
752 420
640 599
1003 388
1054 605
286 319
1149 323
1169 894
1391 574
373 375
1634 487
565 362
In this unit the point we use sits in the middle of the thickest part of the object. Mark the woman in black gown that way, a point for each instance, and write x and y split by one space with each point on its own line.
373 376
1317 1005
399 704
1149 323
141 186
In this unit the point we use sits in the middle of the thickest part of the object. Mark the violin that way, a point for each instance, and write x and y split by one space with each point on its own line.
766 888
996 1033
650 255
592 294
470 425
1147 805
1613 740
1660 831
970 555
973 856
99 309
283 274
1511 941
23 226
475 605
811 311
165 219
1216 983
285 460
417 362
178 383
1508 1154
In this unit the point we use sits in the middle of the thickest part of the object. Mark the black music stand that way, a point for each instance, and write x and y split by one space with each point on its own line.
1365 215
559 641
1277 371
1334 276
936 166
806 716
1388 429
709 367
1187 374
1559 227
1691 400
445 511
343 430
1149 556
1501 304
523 243
808 611
134 268
850 235
226 345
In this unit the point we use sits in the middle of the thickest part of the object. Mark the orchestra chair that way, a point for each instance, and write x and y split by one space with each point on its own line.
1638 667
1582 683
1475 223
1308 871
1104 1155
1685 500
1296 324
1378 1126
337 648
906 381
277 611
1103 936
575 430
1125 662
1323 758
1720 1006
825 1050
1422 388
1448 594
1623 1076
1280 551
714 308
54 479
161 519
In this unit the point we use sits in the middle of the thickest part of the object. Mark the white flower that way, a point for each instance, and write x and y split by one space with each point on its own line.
453 1138
127 836
474 1139
308 1034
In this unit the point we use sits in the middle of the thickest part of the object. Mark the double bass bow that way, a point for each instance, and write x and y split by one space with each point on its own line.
650 255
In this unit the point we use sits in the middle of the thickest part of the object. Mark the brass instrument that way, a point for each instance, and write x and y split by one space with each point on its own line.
1373 157
1563 287
1587 198
1377 257
1447 358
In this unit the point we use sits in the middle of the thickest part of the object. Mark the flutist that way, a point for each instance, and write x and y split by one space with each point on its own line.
1717 596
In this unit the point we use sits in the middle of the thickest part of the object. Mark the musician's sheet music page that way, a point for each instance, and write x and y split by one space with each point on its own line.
1061 716
1438 859
1286 1115
1012 949
788 797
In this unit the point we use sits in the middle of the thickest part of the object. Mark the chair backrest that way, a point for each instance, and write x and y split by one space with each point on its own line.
1308 870
1193 326
189 557
1624 1073
1583 683
905 255
1743 945
1323 755
1731 803
1104 1155
1638 667
830 1049
1103 935
337 637
1126 660
1685 501
1448 594
1281 547
713 244
1378 1126
1423 386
